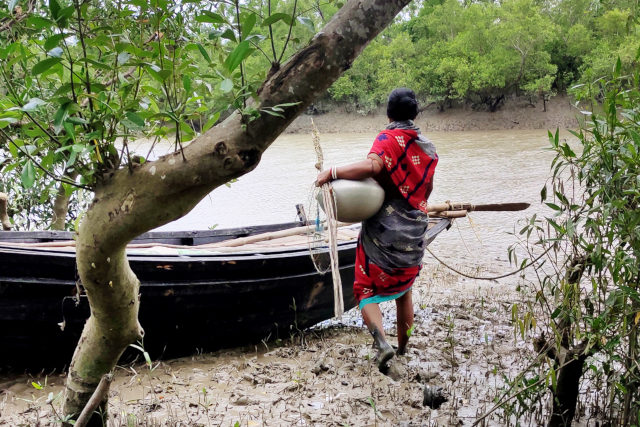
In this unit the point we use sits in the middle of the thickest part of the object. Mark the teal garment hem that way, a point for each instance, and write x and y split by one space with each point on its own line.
377 299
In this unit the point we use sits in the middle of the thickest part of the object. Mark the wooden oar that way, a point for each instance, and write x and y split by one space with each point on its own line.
449 206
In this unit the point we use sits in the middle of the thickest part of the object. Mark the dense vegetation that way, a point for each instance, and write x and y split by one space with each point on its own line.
585 317
78 83
66 83
481 52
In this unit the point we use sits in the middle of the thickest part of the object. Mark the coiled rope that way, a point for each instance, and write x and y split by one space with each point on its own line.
332 227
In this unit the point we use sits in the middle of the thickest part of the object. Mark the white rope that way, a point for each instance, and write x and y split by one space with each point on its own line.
332 226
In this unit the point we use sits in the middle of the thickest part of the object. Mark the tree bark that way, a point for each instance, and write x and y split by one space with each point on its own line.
61 206
4 216
569 358
128 203
565 396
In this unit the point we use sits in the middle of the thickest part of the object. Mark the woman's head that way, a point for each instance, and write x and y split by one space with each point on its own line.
402 105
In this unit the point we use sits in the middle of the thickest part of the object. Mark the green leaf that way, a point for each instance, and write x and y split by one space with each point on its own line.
34 384
204 53
98 64
54 40
226 85
186 83
28 178
70 129
77 120
617 68
237 56
277 17
44 65
54 9
248 25
214 34
159 75
59 117
38 22
123 57
308 23
135 118
212 121
6 121
229 35
33 104
142 4
210 17
65 14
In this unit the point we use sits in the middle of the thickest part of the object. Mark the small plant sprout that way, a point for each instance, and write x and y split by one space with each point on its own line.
410 330
140 347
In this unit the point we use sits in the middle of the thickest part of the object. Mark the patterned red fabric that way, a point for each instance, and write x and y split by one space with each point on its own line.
371 280
410 168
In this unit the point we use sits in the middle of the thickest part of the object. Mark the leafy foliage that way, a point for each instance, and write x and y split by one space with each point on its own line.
588 293
482 52
82 80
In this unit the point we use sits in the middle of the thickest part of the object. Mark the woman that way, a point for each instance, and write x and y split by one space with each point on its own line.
391 243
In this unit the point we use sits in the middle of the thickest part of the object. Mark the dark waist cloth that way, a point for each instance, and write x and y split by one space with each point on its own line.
394 236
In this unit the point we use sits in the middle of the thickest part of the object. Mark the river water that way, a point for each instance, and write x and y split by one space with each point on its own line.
477 167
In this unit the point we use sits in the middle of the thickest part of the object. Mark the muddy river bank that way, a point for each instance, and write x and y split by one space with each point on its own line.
463 343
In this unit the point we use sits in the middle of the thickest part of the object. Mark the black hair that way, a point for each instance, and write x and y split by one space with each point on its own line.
402 105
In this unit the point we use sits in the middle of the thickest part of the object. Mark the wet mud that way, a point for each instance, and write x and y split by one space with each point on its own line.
461 347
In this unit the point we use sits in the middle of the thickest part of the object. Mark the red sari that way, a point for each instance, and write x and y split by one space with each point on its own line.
390 248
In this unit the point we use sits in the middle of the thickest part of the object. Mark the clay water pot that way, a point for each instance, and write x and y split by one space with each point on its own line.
355 200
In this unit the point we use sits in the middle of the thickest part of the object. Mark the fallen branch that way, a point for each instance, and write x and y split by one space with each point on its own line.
97 397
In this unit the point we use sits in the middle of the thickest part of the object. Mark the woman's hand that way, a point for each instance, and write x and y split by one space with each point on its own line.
323 177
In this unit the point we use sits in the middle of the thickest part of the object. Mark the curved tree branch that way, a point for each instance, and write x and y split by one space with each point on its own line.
127 203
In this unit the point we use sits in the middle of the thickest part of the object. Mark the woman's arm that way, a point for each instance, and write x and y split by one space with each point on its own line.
429 189
358 170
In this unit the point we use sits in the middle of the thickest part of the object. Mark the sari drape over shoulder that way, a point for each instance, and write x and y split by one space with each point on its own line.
391 243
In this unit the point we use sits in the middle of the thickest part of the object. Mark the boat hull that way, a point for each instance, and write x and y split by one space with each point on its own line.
191 300
188 303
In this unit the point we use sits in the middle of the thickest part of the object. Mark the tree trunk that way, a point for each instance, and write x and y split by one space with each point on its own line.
565 396
569 358
4 216
129 203
61 206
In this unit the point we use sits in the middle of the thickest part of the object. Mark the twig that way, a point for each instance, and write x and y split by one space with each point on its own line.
45 170
505 399
286 42
97 397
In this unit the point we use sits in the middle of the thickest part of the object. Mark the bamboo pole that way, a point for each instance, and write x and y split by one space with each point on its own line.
459 206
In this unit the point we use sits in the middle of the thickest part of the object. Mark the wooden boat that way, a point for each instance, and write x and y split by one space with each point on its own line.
196 293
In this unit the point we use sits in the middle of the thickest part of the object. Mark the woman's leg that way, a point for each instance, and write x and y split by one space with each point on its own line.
373 319
404 307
